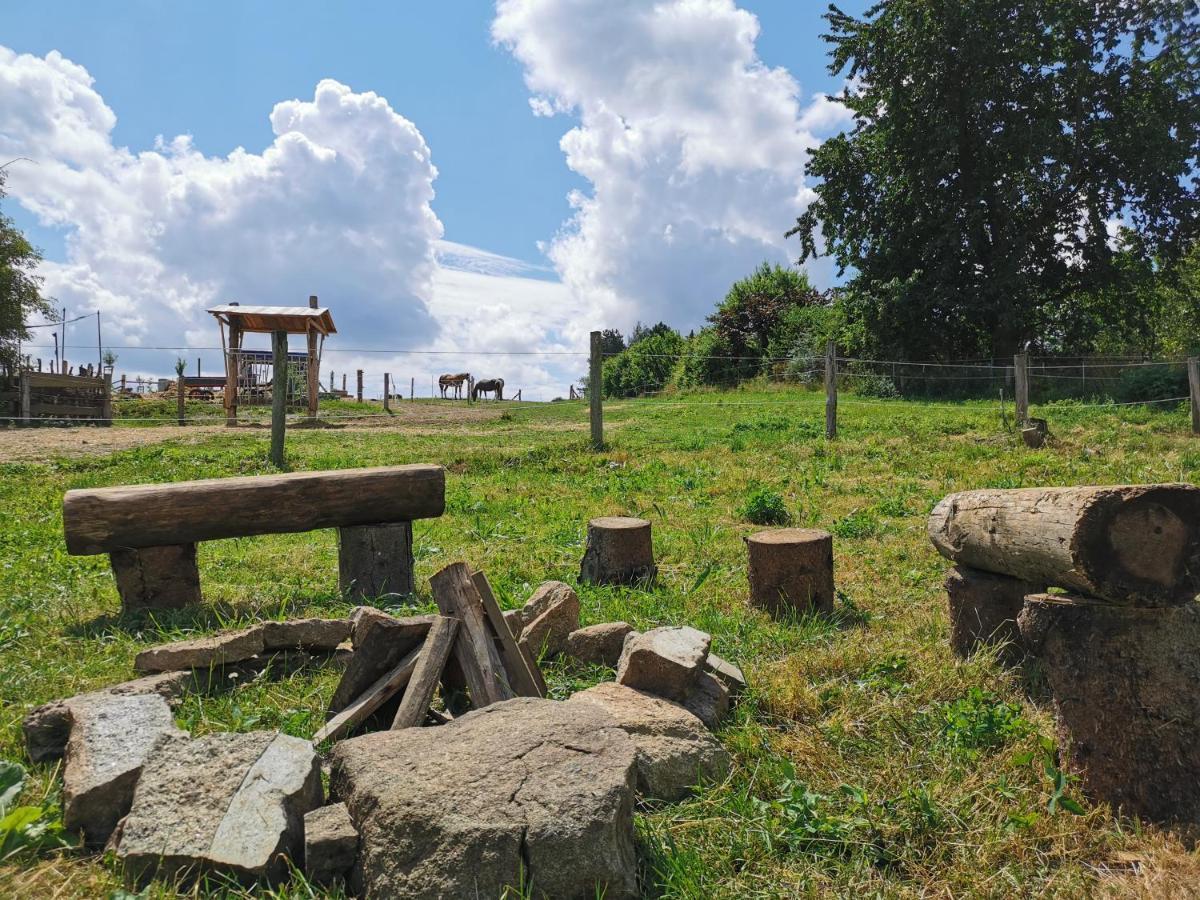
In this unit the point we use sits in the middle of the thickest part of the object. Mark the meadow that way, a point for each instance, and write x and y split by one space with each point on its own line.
869 761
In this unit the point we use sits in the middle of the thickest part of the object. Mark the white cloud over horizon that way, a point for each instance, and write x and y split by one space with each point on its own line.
694 148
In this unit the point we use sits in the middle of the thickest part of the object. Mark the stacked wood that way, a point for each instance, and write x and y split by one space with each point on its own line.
983 612
1135 544
468 649
791 570
1124 685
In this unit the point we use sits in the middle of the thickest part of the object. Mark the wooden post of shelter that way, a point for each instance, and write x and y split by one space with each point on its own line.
1193 366
595 390
1021 386
314 368
831 390
279 346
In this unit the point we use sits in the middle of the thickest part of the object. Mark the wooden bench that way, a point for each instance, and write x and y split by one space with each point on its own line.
150 531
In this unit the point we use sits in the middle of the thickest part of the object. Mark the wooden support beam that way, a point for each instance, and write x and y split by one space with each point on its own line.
374 560
434 653
373 698
98 520
279 389
156 577
523 672
233 363
474 649
314 367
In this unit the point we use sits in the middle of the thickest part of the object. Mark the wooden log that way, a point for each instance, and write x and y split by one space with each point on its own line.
1125 700
523 673
983 612
374 560
156 577
791 570
153 515
421 687
1135 544
373 698
474 648
620 550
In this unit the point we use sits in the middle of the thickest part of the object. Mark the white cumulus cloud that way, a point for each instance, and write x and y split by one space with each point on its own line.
694 148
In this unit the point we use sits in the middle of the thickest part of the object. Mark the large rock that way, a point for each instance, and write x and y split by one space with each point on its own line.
674 749
48 727
708 699
229 803
315 635
525 785
380 641
599 645
330 844
202 653
111 737
731 676
550 616
664 661
547 596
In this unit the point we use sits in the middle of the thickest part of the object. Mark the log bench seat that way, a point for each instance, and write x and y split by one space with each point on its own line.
150 531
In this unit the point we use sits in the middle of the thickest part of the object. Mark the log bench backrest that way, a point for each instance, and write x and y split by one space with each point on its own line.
103 520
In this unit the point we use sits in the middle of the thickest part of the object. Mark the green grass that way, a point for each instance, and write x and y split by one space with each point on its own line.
869 762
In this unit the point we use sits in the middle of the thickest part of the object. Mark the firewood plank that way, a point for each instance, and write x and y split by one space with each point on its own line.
371 699
425 678
474 648
523 672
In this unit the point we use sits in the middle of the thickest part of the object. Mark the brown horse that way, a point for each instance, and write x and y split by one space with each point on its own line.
453 381
489 386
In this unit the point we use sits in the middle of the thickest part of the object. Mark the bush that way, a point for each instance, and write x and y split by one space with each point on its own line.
644 366
1145 383
878 386
766 507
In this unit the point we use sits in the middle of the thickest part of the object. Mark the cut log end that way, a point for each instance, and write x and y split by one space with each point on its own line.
983 612
620 550
791 570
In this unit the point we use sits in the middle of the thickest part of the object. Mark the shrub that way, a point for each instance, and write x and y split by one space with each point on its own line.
1144 383
766 507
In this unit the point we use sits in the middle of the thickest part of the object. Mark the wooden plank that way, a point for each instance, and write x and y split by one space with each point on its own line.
74 410
474 648
49 380
425 678
373 698
152 515
523 672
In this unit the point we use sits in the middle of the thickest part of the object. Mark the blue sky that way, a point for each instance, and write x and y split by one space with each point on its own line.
215 71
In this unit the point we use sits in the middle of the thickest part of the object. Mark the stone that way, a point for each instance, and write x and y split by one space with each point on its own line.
663 661
380 641
708 699
545 597
202 653
111 736
48 727
330 844
314 635
221 803
547 632
599 645
528 786
731 676
674 749
512 618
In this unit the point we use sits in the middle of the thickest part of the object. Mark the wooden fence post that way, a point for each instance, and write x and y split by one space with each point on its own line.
106 409
831 390
314 371
1021 387
387 391
358 392
180 397
279 344
1194 391
412 388
26 397
595 391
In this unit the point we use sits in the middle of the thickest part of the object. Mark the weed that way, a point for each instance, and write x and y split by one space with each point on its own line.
765 506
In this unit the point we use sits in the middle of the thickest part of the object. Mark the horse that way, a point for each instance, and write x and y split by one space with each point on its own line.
453 381
489 386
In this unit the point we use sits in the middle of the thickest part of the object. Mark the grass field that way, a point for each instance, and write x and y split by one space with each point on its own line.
869 762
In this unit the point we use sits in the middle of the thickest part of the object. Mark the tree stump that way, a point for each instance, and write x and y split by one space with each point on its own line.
156 577
1034 434
619 551
983 612
791 570
374 560
1128 712
1131 544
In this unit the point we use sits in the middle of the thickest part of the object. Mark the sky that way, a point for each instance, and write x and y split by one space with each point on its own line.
486 181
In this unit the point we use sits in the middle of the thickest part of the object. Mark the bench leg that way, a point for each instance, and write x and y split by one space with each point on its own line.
156 577
375 559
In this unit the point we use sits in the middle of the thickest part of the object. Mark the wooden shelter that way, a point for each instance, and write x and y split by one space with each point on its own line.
242 366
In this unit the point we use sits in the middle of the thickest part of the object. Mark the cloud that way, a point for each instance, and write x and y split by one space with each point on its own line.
695 149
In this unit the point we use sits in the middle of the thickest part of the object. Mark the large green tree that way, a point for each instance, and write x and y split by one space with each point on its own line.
20 286
995 144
